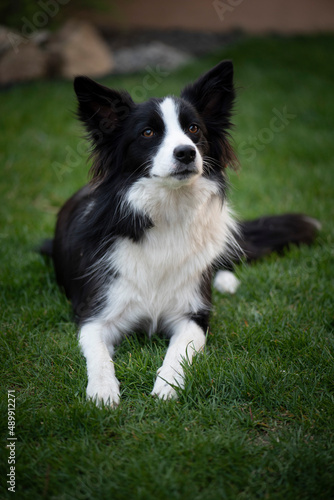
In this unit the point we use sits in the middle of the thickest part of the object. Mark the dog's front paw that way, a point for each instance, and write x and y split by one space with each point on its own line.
164 387
163 390
104 393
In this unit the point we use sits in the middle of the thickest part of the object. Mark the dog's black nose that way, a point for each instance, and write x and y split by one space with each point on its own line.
185 154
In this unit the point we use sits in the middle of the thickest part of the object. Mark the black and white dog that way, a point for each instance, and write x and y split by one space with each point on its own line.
136 247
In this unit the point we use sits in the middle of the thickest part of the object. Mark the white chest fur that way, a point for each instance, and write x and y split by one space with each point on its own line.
159 277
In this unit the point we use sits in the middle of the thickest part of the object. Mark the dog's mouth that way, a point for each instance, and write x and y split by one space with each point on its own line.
182 172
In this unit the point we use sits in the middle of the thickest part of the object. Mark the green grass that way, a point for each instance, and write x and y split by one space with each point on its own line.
256 418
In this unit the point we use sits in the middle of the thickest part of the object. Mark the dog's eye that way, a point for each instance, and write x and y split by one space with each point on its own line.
148 132
193 128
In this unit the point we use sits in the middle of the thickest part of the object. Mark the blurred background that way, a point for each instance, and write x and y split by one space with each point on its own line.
258 418
61 38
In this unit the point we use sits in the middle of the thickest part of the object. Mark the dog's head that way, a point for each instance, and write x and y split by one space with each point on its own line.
173 140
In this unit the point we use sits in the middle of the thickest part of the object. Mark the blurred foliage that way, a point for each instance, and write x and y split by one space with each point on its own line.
47 13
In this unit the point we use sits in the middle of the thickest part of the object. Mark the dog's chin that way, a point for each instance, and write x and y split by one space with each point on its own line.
177 181
179 177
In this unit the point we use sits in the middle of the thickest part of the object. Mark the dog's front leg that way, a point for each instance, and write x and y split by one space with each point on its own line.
187 339
98 347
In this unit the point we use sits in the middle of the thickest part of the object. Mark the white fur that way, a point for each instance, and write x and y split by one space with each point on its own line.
158 279
103 386
164 162
187 340
317 224
226 282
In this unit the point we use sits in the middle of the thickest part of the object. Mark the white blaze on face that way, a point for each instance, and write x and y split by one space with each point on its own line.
164 162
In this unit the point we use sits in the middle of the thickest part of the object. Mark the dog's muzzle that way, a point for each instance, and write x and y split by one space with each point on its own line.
185 157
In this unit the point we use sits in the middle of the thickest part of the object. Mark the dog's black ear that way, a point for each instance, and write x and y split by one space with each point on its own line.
213 96
213 93
101 109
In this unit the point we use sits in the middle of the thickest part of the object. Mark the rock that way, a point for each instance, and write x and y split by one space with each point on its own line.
79 49
5 39
137 58
21 59
41 38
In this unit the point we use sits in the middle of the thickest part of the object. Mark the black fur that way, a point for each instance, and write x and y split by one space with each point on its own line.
136 247
91 221
213 96
265 235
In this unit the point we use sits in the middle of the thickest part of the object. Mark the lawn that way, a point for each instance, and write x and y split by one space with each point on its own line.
256 418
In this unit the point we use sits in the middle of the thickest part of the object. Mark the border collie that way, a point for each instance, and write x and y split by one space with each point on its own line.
135 248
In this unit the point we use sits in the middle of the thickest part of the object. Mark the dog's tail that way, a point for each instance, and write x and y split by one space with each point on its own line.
46 248
260 237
